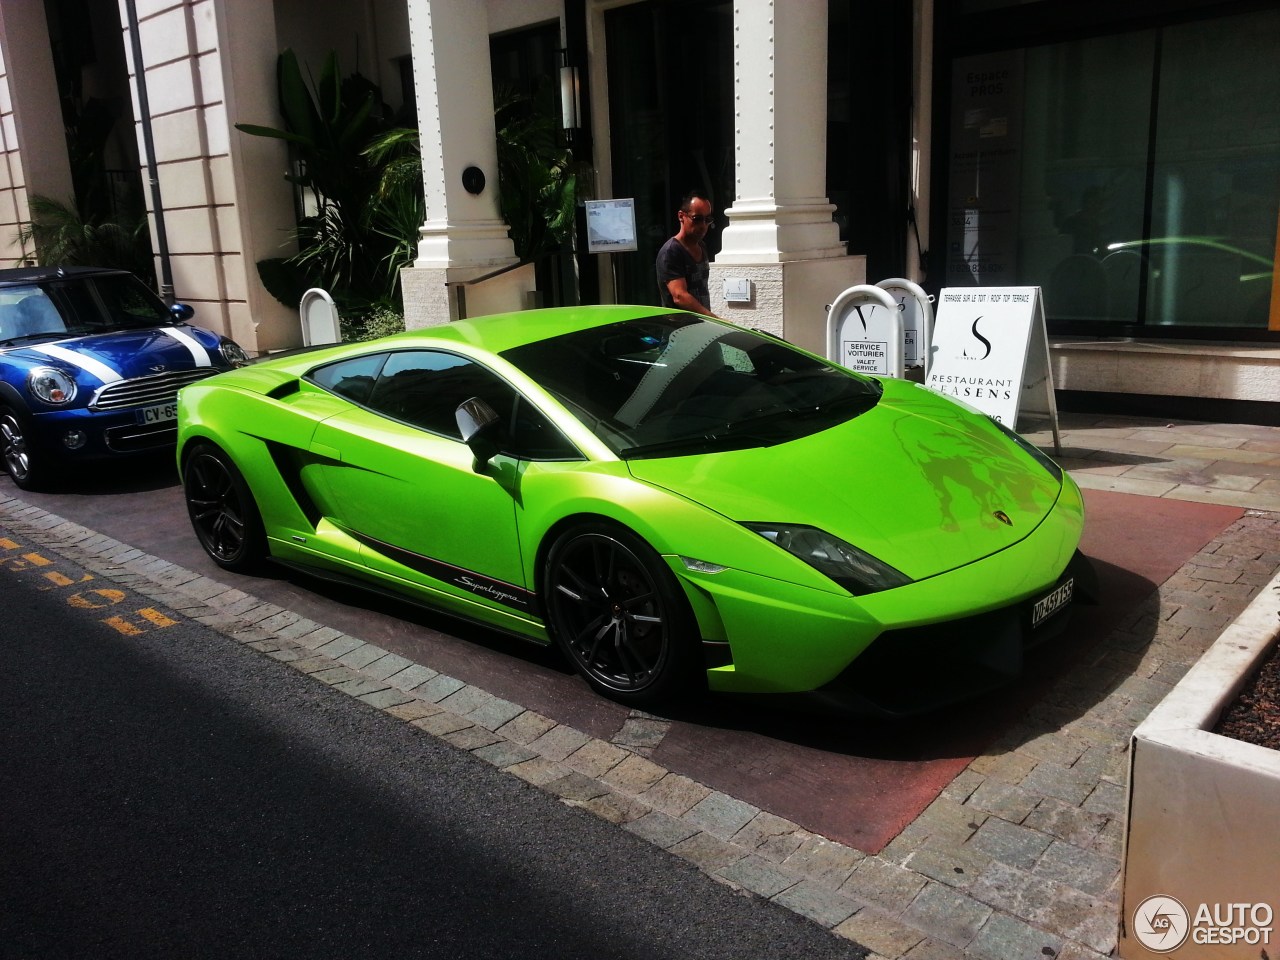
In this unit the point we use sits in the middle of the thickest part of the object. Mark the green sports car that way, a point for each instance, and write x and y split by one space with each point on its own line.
677 502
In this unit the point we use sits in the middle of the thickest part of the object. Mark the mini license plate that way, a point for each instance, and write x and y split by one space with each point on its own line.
159 413
1051 603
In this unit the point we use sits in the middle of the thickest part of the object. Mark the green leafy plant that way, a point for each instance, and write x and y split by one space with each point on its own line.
351 239
361 176
536 184
380 322
65 237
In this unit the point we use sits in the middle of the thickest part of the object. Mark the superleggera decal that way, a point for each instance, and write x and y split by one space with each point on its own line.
88 364
507 594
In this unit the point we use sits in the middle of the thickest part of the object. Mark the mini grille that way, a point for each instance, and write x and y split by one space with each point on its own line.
144 391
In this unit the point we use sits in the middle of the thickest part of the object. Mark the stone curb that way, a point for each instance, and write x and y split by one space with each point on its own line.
1019 855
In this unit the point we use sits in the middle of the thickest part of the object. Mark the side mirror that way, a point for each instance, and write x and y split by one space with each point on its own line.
181 312
478 424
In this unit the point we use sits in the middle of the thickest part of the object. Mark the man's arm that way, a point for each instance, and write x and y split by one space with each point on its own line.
683 299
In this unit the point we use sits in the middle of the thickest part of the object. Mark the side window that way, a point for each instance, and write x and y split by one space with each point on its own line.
352 379
534 437
424 388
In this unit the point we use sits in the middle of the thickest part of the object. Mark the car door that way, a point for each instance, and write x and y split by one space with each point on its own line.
395 474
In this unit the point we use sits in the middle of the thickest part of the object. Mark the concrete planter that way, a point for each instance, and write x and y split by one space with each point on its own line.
1201 872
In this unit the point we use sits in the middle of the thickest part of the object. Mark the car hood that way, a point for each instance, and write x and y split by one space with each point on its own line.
917 481
128 353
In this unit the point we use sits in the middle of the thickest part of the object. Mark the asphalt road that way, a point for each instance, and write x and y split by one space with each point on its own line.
168 793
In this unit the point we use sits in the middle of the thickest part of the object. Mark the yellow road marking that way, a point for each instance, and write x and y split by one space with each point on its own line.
87 602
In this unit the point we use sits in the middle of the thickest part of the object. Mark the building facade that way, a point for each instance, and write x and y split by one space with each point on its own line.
1122 156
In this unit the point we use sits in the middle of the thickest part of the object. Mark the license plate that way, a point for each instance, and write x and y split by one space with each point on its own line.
159 413
1051 603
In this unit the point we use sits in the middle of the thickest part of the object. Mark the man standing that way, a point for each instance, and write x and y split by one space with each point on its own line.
682 264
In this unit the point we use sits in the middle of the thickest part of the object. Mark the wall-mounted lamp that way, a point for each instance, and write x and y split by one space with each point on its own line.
570 94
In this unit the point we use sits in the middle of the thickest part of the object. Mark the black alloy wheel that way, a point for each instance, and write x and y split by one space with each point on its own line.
619 615
222 510
22 464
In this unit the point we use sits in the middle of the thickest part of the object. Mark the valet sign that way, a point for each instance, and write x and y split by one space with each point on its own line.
990 349
1162 924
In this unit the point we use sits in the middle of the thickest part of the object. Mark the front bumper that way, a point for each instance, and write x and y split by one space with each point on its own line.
111 434
917 669
768 636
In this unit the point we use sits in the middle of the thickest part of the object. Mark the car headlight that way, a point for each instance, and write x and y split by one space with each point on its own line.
855 570
233 353
1036 454
51 385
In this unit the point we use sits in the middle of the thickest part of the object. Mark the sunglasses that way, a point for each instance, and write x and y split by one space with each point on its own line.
709 220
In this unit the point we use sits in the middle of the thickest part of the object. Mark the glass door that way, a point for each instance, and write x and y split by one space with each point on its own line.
671 117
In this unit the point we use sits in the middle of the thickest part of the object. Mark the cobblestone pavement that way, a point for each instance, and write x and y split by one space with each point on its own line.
1018 857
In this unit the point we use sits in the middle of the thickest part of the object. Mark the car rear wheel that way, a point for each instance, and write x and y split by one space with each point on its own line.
222 510
619 615
23 464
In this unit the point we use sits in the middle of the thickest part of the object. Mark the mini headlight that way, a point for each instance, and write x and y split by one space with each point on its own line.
855 570
51 385
233 353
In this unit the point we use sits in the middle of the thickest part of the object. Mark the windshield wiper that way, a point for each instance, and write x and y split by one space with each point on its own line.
32 337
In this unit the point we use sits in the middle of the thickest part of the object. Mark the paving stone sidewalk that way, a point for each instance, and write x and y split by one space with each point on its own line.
1018 857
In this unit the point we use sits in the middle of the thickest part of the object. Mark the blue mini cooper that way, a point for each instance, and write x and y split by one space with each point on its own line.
91 361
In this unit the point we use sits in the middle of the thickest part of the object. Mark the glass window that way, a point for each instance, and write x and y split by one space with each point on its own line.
104 303
27 312
423 388
1215 174
674 385
353 379
1134 177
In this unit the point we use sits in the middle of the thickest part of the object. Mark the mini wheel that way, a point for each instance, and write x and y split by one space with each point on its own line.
25 465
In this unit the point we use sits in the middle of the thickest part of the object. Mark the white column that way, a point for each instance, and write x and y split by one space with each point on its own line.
781 211
464 235
781 236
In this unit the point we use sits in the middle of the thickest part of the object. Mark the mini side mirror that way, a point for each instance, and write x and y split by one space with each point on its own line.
181 312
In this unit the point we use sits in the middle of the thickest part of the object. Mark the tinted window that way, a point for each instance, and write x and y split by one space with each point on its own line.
353 379
26 311
114 302
671 385
423 388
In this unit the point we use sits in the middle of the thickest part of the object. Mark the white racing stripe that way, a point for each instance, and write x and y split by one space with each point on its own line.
198 353
95 367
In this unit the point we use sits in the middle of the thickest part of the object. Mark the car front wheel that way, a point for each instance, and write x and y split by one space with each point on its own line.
619 615
222 510
23 464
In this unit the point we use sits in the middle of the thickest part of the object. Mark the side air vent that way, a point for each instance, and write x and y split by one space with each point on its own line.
286 389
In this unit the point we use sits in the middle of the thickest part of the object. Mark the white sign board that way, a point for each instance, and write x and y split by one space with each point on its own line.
991 350
864 331
611 226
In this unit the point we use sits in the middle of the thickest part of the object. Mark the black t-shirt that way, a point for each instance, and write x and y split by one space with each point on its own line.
676 263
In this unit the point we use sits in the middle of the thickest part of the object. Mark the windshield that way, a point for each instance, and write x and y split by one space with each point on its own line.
675 385
77 307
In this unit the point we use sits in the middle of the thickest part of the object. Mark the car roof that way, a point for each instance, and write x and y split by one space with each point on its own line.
39 274
503 331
